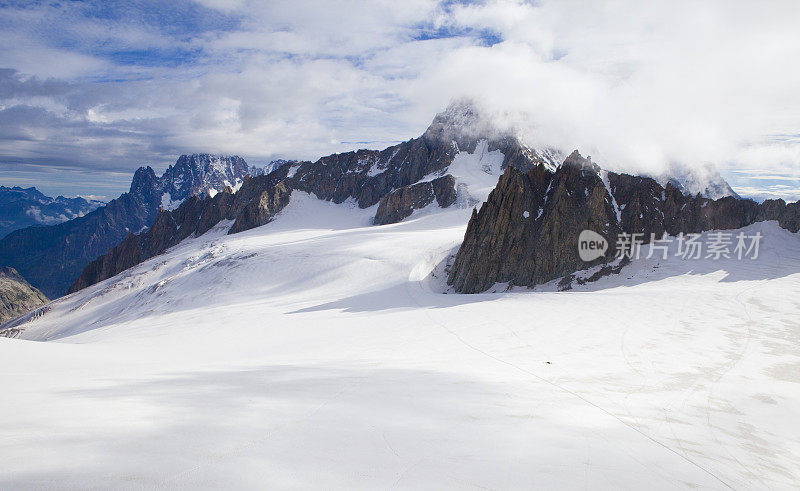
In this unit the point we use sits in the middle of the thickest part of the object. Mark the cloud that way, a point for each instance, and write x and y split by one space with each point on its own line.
106 87
638 84
36 213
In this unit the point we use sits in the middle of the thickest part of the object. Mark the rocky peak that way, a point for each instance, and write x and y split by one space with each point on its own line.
198 174
145 185
702 179
527 232
577 161
142 178
464 123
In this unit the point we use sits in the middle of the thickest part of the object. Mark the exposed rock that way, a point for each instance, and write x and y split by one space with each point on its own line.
261 210
402 202
201 174
527 231
17 296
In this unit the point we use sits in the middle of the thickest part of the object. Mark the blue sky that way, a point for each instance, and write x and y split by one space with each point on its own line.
90 90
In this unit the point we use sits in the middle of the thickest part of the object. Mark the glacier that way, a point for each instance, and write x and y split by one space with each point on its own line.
319 351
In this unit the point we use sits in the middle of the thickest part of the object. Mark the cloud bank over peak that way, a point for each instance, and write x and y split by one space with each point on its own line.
638 85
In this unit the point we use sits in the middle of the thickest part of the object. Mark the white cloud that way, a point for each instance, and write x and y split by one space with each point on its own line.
637 85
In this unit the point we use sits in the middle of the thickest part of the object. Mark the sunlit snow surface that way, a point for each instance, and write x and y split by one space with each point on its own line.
318 352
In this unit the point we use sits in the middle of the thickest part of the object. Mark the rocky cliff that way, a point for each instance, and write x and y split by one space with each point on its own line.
526 233
402 202
17 296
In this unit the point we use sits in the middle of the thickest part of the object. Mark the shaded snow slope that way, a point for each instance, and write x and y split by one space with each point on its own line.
478 171
315 352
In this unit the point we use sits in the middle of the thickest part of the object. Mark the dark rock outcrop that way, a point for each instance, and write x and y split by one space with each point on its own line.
527 231
402 202
17 296
262 209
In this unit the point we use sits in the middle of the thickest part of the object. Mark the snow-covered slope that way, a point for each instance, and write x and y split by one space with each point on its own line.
318 352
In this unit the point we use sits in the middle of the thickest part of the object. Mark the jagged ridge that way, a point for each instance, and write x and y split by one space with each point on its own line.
400 178
51 257
527 232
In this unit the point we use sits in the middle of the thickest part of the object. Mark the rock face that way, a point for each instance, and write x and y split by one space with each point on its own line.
20 208
51 257
402 202
368 175
199 175
527 231
17 297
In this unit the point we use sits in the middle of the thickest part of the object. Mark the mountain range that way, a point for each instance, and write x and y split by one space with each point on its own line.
25 207
200 190
527 232
51 257
459 147
398 179
410 302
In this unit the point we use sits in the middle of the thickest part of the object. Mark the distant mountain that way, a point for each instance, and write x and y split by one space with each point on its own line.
704 180
270 167
25 207
199 175
51 257
17 297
